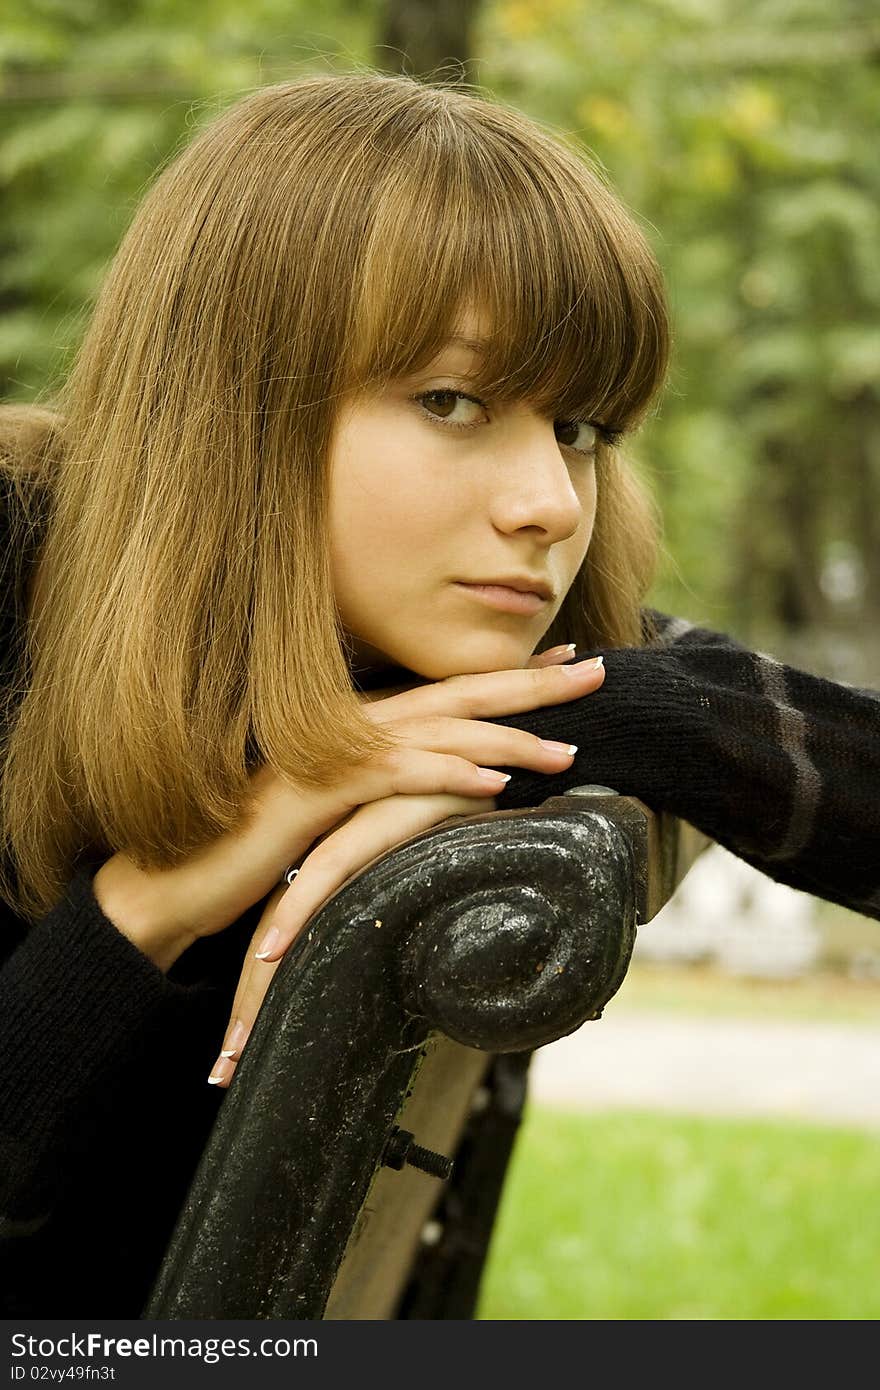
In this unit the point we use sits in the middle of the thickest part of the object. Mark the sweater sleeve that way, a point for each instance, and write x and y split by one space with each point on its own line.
79 1003
779 766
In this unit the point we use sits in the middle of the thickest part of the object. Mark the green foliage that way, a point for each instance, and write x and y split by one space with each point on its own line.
628 1216
95 97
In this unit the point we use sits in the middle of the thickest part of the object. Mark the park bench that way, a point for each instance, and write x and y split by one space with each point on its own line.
356 1164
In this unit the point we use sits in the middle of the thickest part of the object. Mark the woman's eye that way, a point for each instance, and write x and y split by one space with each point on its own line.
577 434
452 407
458 411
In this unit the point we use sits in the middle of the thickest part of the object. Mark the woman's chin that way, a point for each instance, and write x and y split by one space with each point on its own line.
436 658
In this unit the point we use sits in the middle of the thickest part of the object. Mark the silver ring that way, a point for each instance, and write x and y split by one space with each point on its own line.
289 874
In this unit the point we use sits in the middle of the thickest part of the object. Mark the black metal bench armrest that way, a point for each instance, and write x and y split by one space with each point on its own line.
501 931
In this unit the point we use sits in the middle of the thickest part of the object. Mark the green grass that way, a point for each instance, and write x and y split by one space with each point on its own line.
635 1216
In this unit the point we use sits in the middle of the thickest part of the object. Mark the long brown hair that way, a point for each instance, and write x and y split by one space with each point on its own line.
316 238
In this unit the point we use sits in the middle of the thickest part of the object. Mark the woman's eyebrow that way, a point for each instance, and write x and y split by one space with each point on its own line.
475 345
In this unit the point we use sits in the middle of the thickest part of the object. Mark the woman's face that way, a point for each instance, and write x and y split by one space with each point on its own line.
419 506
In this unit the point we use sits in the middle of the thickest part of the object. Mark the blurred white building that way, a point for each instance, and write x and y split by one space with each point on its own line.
727 914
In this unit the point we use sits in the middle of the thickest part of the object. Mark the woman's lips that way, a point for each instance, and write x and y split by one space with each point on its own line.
507 600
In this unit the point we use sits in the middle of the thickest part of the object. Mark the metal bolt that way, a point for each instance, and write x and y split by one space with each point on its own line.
480 1100
432 1233
591 789
401 1148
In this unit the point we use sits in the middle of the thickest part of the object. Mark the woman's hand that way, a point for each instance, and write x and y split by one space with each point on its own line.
439 747
368 831
371 831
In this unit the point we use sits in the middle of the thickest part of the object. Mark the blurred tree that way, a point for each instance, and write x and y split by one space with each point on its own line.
420 36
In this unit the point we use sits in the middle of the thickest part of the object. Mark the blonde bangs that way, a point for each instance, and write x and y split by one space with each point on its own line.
525 232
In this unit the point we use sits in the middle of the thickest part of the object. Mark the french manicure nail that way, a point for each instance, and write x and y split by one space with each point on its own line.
569 748
270 941
580 668
235 1039
220 1071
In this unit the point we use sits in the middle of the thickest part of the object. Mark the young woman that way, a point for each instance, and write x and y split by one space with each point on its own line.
287 563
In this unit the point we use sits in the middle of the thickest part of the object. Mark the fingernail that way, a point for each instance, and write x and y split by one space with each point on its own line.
580 668
270 941
494 776
569 748
221 1071
234 1039
559 651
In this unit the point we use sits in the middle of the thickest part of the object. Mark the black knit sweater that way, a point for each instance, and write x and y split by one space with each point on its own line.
104 1101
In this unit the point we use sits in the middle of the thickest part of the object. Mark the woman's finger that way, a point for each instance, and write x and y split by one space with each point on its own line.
373 830
554 656
481 695
445 754
256 976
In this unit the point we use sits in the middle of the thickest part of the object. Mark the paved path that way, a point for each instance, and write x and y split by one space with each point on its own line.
827 1073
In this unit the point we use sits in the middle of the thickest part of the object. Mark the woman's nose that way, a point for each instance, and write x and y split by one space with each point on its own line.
538 486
